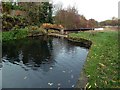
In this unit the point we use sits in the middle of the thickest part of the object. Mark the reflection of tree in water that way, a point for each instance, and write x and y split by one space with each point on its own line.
33 52
60 44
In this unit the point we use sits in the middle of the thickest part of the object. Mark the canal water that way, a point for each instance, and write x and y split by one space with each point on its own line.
41 62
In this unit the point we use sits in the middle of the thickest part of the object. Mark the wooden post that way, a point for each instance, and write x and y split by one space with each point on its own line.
62 31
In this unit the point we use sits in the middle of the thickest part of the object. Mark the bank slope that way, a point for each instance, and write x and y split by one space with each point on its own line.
101 66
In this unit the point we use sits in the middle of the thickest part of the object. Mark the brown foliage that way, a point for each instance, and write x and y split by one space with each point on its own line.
48 25
70 19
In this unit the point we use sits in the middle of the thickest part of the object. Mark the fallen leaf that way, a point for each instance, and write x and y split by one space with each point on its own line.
50 84
25 77
73 85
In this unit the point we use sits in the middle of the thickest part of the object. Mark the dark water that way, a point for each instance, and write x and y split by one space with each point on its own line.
41 63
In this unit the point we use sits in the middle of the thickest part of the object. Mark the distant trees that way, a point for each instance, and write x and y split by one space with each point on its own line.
112 22
37 13
70 19
92 23
83 22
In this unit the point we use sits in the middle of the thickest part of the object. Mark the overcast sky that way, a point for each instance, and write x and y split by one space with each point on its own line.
97 9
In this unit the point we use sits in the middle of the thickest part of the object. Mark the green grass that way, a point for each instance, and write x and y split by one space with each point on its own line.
21 33
14 34
101 66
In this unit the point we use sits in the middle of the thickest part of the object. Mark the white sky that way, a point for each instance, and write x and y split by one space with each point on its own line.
97 9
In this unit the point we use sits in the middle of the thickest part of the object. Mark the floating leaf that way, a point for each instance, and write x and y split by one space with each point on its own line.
59 84
50 84
73 85
63 71
25 77
51 68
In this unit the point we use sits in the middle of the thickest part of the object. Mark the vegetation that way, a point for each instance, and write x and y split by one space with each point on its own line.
17 33
112 22
48 25
71 19
14 34
10 22
35 30
8 6
101 66
37 12
102 62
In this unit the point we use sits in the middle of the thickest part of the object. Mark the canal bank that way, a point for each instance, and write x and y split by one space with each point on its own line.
101 67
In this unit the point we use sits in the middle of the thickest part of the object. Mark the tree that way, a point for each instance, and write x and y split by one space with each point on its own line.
6 6
37 12
112 22
83 21
45 13
92 23
69 18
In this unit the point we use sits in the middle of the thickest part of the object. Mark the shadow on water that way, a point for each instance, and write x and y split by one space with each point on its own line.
32 52
41 62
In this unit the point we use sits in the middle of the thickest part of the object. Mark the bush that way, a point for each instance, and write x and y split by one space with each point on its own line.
43 31
14 34
35 30
48 25
10 22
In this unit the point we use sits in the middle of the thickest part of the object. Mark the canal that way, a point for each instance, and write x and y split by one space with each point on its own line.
41 62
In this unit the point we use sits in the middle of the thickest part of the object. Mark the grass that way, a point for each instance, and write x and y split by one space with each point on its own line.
101 66
14 34
21 33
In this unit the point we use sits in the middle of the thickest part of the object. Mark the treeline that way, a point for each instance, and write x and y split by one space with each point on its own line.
70 19
26 13
112 22
38 13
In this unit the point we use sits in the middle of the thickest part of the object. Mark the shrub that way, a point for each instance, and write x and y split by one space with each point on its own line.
48 25
9 22
35 30
43 31
14 34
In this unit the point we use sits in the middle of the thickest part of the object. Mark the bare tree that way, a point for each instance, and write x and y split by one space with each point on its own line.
69 18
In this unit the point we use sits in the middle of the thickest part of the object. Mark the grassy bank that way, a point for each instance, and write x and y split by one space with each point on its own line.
22 33
101 66
14 34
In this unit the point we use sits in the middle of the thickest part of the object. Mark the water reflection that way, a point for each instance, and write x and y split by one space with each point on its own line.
41 62
31 52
